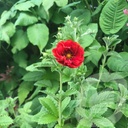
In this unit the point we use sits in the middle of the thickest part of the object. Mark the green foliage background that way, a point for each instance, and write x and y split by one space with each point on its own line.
94 94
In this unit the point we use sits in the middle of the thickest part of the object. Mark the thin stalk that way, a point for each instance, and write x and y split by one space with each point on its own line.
101 71
88 6
60 102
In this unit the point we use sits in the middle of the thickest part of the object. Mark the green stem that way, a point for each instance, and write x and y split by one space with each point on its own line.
88 6
60 102
101 71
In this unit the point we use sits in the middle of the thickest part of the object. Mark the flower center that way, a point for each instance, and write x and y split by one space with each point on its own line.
68 55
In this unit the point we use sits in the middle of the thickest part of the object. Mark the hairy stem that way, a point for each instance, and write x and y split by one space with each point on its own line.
60 102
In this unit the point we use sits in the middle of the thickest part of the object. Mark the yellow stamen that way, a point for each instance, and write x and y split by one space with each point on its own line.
68 55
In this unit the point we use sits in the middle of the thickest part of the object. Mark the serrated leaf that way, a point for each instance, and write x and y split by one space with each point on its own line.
50 105
23 90
103 122
5 120
112 19
7 31
24 6
19 41
25 19
65 103
84 123
61 3
116 63
38 35
98 110
47 118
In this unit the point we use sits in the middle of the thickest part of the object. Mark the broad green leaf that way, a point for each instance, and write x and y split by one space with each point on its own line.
61 3
5 120
48 4
33 76
88 34
123 90
6 15
47 118
112 18
21 59
118 63
84 113
43 83
84 123
7 31
49 105
98 110
37 2
25 6
103 122
65 103
38 35
25 125
23 90
19 41
25 19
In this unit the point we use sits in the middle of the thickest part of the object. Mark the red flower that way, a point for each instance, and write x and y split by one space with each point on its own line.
69 53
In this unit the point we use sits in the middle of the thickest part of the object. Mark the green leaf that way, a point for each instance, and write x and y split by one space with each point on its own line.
103 122
26 19
37 2
98 110
38 35
21 59
84 123
48 4
7 31
25 6
50 105
6 15
47 118
33 76
124 110
65 103
23 90
88 34
83 15
123 90
19 41
5 120
118 63
61 3
43 83
112 18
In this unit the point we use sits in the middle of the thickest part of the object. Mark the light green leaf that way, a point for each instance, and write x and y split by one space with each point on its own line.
25 19
123 90
21 59
103 122
7 31
5 120
47 118
84 123
6 15
38 35
112 18
24 6
61 3
65 103
48 4
88 34
19 41
98 110
49 105
43 83
23 90
118 63
37 2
